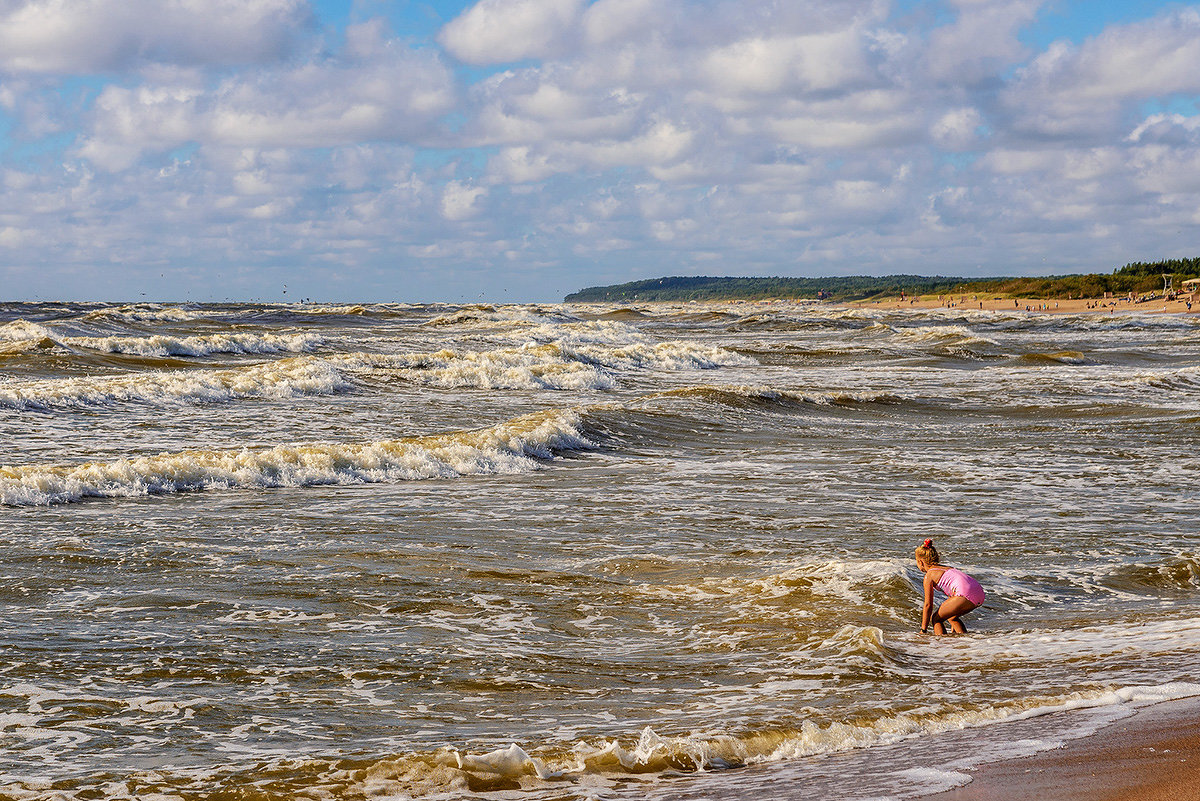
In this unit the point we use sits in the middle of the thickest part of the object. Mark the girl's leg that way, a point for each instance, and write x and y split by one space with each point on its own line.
950 610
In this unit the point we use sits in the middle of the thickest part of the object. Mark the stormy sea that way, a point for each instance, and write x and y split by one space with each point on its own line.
261 551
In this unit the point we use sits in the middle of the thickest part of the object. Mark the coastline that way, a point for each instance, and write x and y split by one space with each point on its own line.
1153 755
1052 306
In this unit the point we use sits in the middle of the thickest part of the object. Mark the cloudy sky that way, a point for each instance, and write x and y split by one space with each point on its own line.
522 149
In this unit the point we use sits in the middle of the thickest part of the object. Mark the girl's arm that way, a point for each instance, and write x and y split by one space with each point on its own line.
927 610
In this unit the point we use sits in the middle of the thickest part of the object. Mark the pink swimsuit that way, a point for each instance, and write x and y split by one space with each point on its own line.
955 582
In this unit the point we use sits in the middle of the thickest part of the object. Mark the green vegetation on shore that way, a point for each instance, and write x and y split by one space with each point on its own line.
1137 277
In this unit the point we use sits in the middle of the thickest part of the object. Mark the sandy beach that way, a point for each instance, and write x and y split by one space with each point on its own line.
1045 306
1151 756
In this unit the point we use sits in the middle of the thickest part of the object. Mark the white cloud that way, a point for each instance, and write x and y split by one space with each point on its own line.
461 201
393 94
958 129
868 119
89 36
981 41
774 65
500 31
640 136
608 21
521 165
1083 90
1167 129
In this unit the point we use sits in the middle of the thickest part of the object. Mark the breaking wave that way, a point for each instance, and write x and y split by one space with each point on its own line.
941 334
1184 379
145 312
1058 357
554 364
23 331
280 379
742 396
516 446
200 345
505 368
486 316
588 766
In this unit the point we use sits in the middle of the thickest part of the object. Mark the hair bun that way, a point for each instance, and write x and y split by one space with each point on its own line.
928 543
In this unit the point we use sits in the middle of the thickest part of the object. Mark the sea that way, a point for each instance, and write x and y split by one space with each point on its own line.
548 552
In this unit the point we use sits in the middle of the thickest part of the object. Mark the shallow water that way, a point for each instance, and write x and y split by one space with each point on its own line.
576 551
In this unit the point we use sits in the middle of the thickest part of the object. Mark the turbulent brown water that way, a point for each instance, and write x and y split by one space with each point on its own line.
556 552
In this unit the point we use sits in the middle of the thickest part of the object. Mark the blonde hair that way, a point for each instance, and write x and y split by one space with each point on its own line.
927 553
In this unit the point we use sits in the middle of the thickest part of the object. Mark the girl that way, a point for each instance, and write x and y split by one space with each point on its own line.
963 593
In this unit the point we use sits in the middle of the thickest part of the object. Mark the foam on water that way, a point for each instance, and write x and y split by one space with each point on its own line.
617 345
24 331
346 310
493 317
280 379
956 334
756 396
145 312
519 445
161 345
20 331
502 368
550 366
584 767
726 582
1183 379
658 356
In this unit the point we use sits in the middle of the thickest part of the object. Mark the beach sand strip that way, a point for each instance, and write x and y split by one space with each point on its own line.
1152 756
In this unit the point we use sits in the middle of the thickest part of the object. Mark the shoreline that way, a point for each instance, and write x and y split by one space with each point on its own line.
1152 755
1032 305
963 303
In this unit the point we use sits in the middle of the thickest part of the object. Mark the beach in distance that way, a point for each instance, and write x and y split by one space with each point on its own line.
1181 304
597 551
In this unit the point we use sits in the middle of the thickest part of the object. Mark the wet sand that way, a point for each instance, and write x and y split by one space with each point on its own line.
1045 306
1152 756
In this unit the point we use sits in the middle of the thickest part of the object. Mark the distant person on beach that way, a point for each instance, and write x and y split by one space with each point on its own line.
963 593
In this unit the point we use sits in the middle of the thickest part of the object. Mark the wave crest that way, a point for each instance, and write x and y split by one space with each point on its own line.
24 331
145 312
160 345
280 379
516 446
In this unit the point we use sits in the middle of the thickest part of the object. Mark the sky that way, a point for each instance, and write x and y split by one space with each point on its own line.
518 150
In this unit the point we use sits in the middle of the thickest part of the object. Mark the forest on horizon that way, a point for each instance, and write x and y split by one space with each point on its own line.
1137 277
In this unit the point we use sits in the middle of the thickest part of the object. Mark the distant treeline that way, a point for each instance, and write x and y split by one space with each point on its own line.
1137 277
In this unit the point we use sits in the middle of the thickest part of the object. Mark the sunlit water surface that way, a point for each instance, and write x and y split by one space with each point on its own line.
554 552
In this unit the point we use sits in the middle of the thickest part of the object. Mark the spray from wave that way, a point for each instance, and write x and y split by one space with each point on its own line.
160 345
516 446
285 378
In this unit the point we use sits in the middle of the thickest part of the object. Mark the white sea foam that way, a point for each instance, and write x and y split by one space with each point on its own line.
503 368
1152 640
652 753
24 331
538 366
485 317
947 334
591 332
658 356
160 345
517 446
350 309
279 379
145 312
620 346
740 394
1185 379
